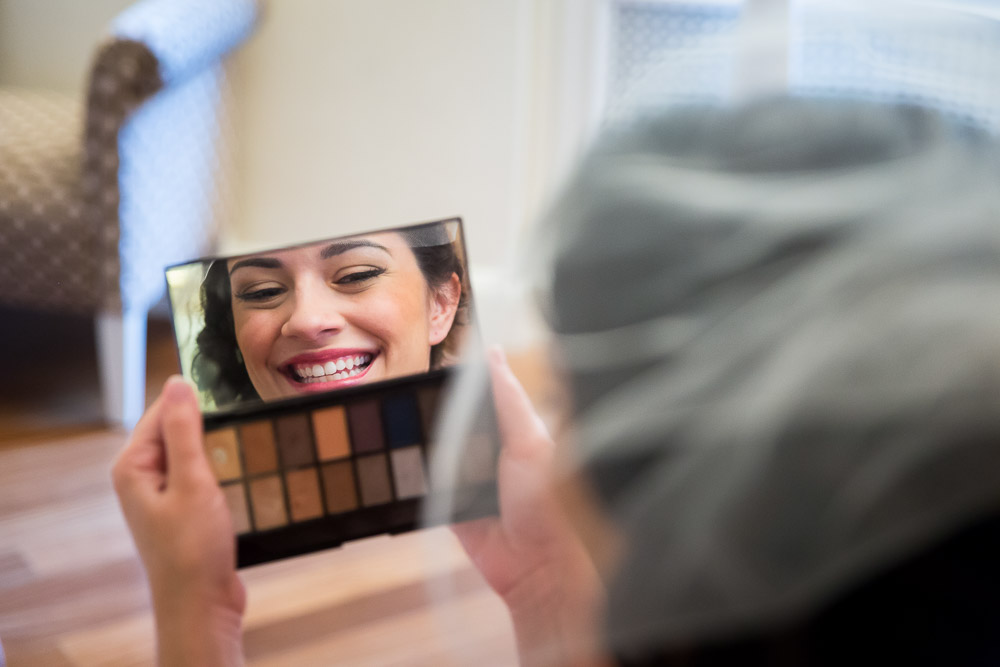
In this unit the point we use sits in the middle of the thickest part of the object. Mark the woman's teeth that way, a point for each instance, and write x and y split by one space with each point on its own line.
340 369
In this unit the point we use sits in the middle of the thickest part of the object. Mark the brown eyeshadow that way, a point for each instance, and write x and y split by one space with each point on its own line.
259 453
223 454
294 440
237 502
366 426
330 426
408 473
304 498
373 478
338 483
267 501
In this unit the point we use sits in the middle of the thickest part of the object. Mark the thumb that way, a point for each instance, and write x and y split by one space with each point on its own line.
522 431
182 434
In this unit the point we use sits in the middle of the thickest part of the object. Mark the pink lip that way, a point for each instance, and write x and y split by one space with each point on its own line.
321 357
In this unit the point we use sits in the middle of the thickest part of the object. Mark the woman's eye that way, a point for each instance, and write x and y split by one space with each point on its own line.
262 294
355 277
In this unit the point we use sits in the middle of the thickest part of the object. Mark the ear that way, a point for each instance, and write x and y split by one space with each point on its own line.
443 307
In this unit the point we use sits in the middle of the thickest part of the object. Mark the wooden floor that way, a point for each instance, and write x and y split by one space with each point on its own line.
72 590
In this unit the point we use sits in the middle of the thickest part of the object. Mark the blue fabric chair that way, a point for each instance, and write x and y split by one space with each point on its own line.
88 226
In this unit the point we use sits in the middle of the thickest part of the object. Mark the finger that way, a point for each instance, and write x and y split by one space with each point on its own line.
182 435
521 429
141 460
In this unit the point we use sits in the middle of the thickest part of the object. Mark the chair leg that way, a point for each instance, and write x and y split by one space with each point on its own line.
121 355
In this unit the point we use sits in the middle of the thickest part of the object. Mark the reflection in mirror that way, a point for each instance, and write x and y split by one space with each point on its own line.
321 316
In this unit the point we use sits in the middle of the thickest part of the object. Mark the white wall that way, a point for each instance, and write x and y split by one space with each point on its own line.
359 115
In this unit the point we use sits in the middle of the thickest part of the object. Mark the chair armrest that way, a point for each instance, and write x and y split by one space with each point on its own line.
186 36
139 141
156 43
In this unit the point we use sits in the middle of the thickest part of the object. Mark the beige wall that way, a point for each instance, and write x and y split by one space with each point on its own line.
362 115
359 115
49 43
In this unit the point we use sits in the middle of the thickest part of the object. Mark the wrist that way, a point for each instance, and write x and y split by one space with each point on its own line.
556 619
198 627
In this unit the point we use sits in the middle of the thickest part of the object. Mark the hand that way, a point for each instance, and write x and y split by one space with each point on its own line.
530 555
182 529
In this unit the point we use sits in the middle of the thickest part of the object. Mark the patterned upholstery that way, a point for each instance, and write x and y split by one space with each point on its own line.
48 248
87 226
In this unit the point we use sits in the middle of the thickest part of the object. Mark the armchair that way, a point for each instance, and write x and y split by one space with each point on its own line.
88 226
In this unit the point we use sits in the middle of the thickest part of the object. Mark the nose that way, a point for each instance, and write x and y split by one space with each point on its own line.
316 314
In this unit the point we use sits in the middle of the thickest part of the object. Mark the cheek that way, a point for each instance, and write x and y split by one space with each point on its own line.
255 334
397 318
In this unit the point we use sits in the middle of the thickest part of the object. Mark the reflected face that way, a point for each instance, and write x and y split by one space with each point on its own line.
336 314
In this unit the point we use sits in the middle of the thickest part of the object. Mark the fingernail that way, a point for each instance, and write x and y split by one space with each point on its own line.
177 389
497 355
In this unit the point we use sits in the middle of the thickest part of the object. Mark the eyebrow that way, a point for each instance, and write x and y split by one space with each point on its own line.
340 247
332 250
259 262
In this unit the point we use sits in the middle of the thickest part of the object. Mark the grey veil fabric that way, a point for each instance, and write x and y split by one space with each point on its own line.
781 328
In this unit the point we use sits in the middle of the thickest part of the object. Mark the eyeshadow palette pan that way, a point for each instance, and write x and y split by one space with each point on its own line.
312 472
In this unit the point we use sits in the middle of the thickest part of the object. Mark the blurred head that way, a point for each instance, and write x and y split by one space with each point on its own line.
779 331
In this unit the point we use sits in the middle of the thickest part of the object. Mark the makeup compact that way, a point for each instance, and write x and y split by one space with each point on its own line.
321 368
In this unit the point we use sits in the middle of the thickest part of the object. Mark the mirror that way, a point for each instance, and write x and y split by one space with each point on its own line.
321 316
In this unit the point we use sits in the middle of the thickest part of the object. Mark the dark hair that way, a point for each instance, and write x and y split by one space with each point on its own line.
218 366
438 259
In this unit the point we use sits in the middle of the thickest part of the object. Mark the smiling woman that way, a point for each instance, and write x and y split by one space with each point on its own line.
331 314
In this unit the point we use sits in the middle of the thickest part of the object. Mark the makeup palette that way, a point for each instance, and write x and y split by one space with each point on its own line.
321 468
313 472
